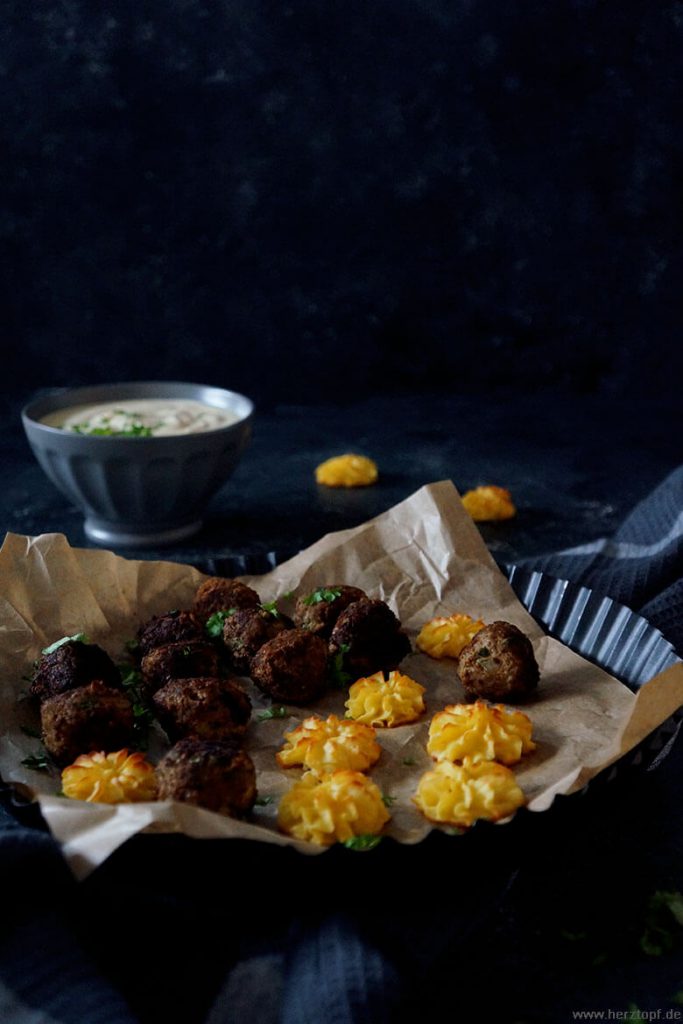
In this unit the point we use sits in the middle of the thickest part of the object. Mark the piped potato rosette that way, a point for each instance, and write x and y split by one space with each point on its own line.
119 777
385 701
480 732
459 794
446 636
332 809
330 745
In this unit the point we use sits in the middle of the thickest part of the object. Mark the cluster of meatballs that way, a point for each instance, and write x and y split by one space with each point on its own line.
188 681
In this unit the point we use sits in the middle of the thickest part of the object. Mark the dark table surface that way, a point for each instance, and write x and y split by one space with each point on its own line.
559 909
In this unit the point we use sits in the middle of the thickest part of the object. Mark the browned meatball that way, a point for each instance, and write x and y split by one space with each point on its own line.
292 666
218 594
171 628
499 664
71 665
207 708
93 717
369 638
319 610
179 661
216 775
247 630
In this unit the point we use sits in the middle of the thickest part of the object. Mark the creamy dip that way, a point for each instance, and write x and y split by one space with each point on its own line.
143 417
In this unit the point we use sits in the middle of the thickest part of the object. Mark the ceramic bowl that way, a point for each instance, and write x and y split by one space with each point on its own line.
139 491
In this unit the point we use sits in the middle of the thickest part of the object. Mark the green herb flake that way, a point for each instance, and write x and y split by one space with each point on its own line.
214 624
277 711
322 594
338 675
263 801
37 762
388 801
409 761
663 922
362 843
76 638
271 608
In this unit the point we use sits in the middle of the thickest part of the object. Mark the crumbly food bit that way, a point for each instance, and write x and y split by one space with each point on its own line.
116 778
332 809
445 636
347 471
459 794
480 732
489 503
385 701
329 745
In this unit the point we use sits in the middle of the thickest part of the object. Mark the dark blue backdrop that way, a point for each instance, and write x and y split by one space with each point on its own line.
314 199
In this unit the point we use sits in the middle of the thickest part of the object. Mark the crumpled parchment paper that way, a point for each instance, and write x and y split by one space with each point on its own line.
424 556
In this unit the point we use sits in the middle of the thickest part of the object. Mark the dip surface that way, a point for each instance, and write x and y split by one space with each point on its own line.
142 417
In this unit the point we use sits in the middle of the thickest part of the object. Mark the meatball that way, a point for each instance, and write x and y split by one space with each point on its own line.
319 611
498 664
369 637
93 717
71 665
218 594
247 630
171 628
207 708
179 661
291 667
217 775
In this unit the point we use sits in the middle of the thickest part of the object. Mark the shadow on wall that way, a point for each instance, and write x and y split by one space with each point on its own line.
339 198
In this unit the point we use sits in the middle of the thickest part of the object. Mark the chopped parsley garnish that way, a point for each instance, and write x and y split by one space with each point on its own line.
362 843
337 673
76 638
263 801
409 761
271 607
134 430
214 624
132 682
322 594
37 762
387 800
277 711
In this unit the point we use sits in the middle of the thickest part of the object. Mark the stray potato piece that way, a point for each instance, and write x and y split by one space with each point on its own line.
333 808
499 664
292 667
120 777
206 707
330 745
480 732
445 636
93 717
319 610
217 775
459 794
347 471
219 594
489 503
380 701
70 665
369 637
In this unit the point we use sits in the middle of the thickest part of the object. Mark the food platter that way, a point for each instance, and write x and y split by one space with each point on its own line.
426 558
